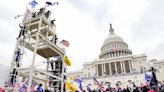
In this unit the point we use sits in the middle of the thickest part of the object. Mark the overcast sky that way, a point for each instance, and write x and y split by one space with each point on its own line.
85 24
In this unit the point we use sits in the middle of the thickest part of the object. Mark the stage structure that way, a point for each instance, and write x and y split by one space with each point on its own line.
38 34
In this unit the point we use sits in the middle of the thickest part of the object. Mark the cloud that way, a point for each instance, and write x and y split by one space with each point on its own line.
147 31
97 9
157 52
150 25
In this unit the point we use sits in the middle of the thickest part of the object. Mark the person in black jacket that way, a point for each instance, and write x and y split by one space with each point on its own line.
136 89
145 89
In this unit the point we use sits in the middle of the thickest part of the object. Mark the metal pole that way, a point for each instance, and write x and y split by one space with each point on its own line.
62 84
46 74
32 66
34 56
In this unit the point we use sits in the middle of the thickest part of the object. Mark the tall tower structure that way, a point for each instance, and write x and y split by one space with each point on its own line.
38 35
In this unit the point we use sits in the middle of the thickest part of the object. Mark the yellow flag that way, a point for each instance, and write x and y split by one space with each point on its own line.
71 78
67 61
70 87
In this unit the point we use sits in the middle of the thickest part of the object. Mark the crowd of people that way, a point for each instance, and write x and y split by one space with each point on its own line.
129 89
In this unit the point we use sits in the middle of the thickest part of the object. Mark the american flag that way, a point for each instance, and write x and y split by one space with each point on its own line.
113 49
79 80
32 86
96 82
65 43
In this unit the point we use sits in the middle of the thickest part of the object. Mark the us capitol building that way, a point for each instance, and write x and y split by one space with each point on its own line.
116 63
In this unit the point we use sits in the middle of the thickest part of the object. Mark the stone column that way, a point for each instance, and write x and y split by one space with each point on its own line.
104 70
132 64
115 67
122 69
110 69
102 66
111 54
121 66
97 69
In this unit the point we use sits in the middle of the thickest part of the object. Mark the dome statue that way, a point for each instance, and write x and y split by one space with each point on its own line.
114 46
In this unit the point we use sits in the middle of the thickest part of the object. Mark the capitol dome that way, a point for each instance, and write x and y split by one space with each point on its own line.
114 46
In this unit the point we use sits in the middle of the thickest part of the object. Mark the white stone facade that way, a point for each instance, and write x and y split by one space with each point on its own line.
116 63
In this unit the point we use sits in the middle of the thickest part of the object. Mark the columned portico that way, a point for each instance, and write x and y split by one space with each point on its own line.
115 61
114 47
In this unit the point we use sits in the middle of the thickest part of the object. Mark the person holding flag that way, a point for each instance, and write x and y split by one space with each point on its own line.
79 81
88 88
95 82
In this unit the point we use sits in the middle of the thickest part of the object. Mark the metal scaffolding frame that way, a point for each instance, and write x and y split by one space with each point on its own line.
39 39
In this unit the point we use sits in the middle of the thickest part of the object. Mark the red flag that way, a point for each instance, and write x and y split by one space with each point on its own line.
65 43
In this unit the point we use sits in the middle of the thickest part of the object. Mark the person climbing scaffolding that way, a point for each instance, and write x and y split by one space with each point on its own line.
22 31
17 57
13 77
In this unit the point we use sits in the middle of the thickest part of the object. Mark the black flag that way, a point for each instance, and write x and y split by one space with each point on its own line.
154 78
49 3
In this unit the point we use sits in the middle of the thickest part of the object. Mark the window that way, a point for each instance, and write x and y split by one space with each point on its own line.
113 68
130 64
140 62
127 68
89 75
107 69
99 70
23 78
118 67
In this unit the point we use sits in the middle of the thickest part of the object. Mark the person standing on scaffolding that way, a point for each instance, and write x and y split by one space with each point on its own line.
40 88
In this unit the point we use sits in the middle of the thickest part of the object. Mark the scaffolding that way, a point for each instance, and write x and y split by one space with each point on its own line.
37 34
